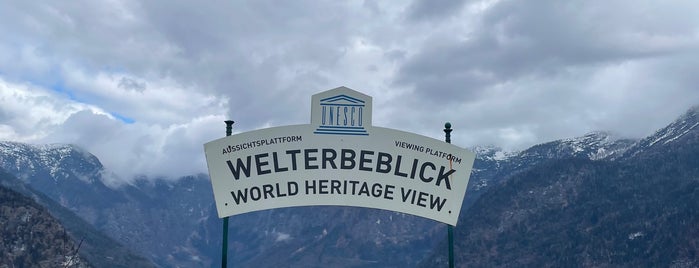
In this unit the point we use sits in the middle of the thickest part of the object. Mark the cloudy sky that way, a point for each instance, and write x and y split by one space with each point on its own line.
143 84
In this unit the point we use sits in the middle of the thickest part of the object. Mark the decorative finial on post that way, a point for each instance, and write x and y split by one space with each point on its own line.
447 132
229 127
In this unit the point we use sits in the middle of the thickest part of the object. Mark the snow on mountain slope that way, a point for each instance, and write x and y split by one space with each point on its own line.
151 216
494 165
141 214
595 146
685 128
58 161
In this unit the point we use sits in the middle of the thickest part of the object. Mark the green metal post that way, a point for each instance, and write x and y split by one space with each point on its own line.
224 256
224 251
450 229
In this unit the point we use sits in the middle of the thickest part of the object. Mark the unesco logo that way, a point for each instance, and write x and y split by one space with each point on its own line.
342 115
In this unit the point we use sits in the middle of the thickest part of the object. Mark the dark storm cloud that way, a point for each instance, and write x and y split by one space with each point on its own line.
239 49
516 39
532 71
430 9
131 84
233 49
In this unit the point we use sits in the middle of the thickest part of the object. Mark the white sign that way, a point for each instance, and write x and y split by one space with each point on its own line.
339 159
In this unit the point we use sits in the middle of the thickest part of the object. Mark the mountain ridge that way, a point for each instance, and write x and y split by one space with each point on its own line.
684 128
634 209
175 223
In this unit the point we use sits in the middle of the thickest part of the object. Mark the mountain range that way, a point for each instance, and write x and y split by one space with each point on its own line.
591 201
636 207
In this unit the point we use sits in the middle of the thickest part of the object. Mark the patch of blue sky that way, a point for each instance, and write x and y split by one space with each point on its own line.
60 88
123 118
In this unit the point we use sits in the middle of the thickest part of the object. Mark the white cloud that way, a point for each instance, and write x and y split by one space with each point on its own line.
28 112
33 114
162 102
138 149
507 73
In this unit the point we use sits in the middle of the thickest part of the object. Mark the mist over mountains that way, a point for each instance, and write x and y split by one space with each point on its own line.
590 201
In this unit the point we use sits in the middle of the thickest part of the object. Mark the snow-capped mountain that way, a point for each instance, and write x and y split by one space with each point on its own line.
594 146
684 129
62 172
152 217
174 222
494 165
492 153
58 161
489 161
632 209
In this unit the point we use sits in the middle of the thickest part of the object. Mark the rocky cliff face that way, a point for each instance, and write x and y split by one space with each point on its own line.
96 247
31 237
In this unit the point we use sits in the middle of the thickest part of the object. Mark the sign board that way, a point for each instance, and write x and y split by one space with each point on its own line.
339 159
